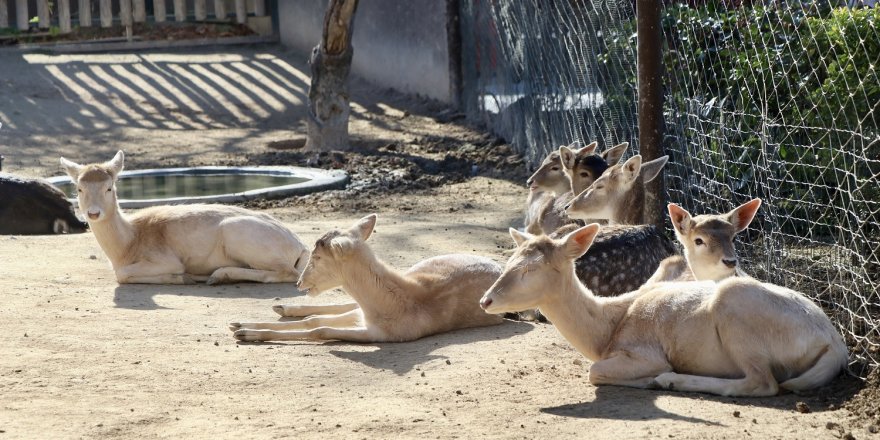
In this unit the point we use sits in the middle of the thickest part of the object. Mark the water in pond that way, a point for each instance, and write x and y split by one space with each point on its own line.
190 185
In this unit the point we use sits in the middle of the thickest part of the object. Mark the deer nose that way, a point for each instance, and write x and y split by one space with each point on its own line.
486 302
567 205
530 181
729 263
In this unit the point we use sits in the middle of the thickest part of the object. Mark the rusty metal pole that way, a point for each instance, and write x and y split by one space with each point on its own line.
650 62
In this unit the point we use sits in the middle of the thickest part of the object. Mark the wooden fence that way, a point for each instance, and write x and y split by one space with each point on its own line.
129 11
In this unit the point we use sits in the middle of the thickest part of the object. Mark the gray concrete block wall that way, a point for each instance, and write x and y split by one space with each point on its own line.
401 44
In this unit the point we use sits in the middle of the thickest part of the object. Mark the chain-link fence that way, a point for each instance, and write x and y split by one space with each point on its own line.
774 99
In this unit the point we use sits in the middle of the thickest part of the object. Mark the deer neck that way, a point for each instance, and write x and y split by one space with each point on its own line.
631 205
584 320
115 235
376 286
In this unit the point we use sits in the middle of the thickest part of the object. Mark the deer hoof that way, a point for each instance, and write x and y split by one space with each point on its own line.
665 381
247 335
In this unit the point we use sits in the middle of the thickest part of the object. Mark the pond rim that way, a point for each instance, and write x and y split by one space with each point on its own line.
319 180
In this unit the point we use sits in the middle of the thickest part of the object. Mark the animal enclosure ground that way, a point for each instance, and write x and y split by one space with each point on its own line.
85 357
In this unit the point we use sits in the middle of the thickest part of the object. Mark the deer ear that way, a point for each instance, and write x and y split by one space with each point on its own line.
681 219
363 228
743 215
566 157
632 167
613 155
72 168
116 164
520 237
577 242
588 150
650 170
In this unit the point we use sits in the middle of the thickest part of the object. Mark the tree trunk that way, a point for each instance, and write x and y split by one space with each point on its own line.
328 93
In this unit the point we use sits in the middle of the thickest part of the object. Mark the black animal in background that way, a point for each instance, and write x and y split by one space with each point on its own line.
35 207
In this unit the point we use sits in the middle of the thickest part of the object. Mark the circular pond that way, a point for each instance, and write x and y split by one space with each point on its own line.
166 186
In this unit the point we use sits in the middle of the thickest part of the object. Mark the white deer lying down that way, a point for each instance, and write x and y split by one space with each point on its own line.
737 337
708 244
184 243
436 295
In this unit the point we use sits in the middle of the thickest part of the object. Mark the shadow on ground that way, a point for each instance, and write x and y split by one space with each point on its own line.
404 356
142 296
622 403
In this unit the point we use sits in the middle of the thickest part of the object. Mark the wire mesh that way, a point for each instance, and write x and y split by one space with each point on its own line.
773 99
539 73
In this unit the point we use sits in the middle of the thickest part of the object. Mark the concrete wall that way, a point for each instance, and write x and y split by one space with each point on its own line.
400 44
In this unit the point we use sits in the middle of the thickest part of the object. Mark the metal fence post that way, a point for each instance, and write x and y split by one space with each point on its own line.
650 74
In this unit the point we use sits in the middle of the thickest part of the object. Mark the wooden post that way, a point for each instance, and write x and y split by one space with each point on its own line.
201 10
21 15
159 12
4 14
650 72
240 11
139 11
180 10
220 9
64 16
330 63
260 8
106 13
125 12
85 13
43 14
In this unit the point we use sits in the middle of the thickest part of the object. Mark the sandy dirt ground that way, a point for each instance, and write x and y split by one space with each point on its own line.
83 357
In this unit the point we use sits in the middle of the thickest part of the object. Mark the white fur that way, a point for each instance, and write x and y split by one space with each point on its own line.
436 295
184 243
738 337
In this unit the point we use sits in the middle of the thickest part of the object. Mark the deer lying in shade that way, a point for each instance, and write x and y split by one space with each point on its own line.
618 195
580 167
708 244
35 206
436 295
737 337
184 243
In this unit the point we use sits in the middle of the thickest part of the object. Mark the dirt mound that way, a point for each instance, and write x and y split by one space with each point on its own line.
377 174
865 405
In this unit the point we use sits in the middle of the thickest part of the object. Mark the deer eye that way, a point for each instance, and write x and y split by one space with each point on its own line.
699 242
79 190
110 189
585 174
554 169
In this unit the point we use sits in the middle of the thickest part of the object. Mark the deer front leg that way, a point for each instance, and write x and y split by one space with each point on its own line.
626 368
755 384
353 318
233 274
153 273
294 311
360 334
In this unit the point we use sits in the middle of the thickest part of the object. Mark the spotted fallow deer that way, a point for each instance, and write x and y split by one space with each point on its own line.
737 337
184 243
436 295
619 194
707 240
581 167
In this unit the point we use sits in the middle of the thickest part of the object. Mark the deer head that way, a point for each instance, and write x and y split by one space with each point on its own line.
708 239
